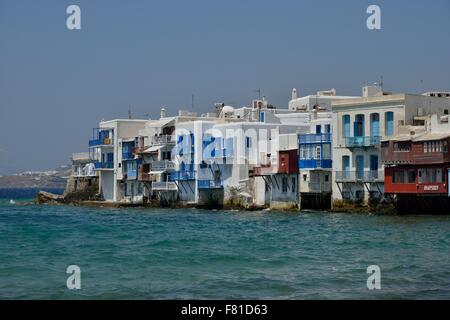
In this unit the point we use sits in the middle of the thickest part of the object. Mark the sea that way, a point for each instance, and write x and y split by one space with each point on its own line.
142 253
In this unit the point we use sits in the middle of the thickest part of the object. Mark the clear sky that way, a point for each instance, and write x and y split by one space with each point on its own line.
56 84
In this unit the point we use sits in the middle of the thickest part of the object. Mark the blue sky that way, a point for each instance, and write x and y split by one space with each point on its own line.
56 84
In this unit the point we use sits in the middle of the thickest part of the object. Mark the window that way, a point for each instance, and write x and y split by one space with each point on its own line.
294 183
398 177
262 116
359 126
318 152
402 146
318 129
305 176
439 175
284 182
422 175
248 142
411 176
327 177
327 128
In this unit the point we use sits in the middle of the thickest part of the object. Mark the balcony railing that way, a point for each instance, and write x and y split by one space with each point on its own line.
315 164
100 142
164 186
265 170
358 142
79 171
131 175
319 187
179 175
104 165
163 165
145 176
162 139
314 138
360 176
127 155
210 184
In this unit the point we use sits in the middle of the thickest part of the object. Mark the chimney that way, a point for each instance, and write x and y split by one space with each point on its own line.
294 94
163 113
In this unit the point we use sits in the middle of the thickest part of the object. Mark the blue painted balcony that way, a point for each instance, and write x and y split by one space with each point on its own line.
131 174
210 184
101 137
315 164
127 156
104 165
363 141
314 138
183 176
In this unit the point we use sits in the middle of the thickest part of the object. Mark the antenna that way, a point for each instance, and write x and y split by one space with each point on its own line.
192 101
259 93
129 112
381 81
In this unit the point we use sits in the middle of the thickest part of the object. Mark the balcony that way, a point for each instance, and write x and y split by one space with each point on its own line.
127 156
164 165
360 176
315 164
100 142
314 138
319 187
264 170
80 171
183 176
362 142
210 184
146 176
164 186
131 175
104 165
161 140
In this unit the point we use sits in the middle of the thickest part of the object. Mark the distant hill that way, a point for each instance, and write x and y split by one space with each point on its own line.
37 179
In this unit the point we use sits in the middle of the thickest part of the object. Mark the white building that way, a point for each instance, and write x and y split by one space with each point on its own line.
359 126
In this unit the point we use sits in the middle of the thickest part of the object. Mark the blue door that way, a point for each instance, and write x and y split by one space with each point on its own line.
346 166
318 129
346 125
359 167
375 125
389 123
374 166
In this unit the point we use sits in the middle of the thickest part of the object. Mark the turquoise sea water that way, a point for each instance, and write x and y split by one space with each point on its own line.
177 254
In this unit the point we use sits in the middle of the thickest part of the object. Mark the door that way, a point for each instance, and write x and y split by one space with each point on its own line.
359 167
374 166
345 166
374 125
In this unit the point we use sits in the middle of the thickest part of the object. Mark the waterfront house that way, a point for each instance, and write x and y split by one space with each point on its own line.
105 149
360 125
417 165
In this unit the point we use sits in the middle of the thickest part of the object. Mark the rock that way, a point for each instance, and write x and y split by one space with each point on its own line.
47 197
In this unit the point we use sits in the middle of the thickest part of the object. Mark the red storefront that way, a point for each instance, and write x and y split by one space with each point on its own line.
417 166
